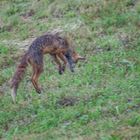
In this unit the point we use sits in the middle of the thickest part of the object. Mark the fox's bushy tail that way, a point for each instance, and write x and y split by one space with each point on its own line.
18 75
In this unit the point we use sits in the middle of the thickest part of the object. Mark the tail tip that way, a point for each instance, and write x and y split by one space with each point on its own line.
13 95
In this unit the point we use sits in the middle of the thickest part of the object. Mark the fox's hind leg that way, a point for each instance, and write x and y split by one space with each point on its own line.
37 70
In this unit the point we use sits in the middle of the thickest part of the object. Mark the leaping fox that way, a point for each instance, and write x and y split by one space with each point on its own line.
58 47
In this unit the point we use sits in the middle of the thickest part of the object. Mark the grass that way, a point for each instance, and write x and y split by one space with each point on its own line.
101 99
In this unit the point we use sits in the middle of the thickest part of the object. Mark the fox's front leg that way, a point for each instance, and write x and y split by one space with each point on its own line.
63 58
57 61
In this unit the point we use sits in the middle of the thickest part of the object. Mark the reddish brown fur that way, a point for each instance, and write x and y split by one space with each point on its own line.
56 46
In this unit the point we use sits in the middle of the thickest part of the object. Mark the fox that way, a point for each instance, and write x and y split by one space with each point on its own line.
59 49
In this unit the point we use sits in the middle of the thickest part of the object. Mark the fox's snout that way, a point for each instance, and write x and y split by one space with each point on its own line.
77 57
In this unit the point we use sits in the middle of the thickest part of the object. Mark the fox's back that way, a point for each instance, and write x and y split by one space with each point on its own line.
50 42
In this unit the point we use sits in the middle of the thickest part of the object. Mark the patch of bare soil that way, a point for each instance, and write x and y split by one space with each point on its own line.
67 101
27 16
23 45
30 13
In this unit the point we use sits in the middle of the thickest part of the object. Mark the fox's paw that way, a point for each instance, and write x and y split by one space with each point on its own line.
72 69
38 91
63 68
60 72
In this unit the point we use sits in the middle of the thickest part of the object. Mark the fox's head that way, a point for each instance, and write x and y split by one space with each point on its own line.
72 58
76 57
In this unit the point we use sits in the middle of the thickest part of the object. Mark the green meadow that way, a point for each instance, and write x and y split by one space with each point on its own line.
101 100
